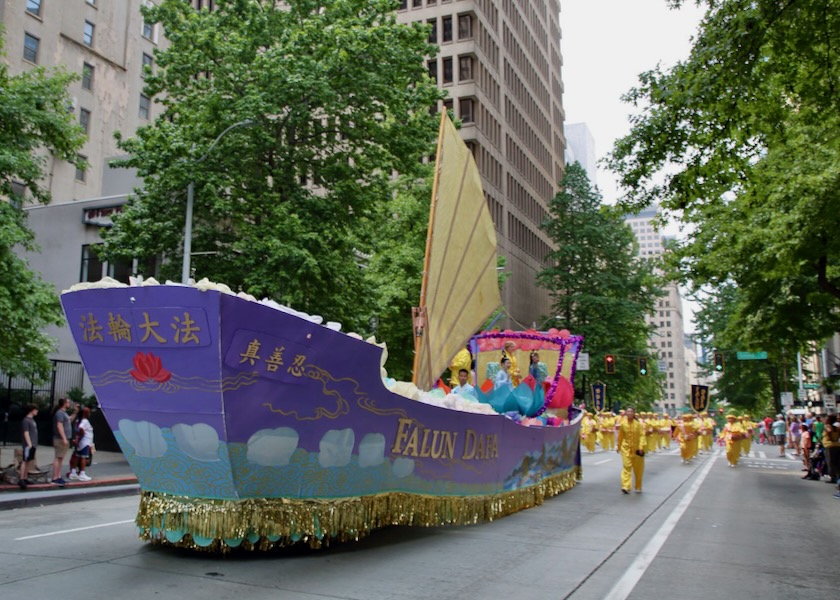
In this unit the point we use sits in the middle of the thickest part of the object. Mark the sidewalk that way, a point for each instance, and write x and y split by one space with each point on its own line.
110 472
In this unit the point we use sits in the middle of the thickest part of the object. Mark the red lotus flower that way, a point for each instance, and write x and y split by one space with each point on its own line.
148 366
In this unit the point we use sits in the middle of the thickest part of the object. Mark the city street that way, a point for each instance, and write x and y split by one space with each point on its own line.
697 531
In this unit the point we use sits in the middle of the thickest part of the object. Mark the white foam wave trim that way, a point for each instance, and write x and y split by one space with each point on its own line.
272 447
146 438
199 441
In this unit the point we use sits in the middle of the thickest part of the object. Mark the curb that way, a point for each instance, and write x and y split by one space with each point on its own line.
51 495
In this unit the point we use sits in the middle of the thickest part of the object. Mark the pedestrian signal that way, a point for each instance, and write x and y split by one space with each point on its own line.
643 367
719 362
609 364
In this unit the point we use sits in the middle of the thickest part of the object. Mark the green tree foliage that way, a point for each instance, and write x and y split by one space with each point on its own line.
600 289
747 385
741 143
339 98
33 121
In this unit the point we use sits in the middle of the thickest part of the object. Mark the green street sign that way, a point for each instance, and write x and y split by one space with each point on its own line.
811 386
751 355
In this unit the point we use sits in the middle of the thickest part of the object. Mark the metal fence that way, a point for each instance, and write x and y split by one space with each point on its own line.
16 392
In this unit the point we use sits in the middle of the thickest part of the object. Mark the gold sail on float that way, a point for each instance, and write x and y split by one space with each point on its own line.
460 287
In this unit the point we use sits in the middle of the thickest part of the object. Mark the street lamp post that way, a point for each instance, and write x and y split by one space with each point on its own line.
185 271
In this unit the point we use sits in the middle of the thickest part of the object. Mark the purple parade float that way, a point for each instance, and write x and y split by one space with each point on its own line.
251 425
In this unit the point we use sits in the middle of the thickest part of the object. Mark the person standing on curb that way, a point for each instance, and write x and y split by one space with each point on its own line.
62 432
779 430
83 454
631 446
29 438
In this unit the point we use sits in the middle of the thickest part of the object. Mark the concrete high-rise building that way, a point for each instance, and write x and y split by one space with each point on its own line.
108 45
500 62
668 339
580 147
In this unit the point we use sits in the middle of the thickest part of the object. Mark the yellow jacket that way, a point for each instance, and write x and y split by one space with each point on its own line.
631 436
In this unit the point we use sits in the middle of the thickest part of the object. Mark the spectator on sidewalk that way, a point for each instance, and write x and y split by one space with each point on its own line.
768 430
29 439
807 446
779 427
62 432
831 443
84 448
796 433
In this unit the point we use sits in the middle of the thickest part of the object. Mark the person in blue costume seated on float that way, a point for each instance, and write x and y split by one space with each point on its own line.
464 388
507 398
537 369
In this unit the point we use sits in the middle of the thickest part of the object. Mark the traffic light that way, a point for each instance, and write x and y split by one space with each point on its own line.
609 364
719 362
643 367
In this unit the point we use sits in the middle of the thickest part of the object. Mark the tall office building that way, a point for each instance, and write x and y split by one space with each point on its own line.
667 341
580 147
500 62
108 45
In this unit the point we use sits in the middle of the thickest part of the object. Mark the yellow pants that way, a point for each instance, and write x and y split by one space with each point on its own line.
733 452
607 440
706 442
589 442
746 446
632 466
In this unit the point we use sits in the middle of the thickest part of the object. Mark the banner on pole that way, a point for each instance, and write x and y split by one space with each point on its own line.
599 396
699 398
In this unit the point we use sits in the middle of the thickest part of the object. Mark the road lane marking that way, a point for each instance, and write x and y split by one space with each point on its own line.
601 462
634 573
63 531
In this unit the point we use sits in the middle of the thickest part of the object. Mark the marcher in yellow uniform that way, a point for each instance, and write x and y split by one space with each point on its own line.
510 352
746 441
666 431
589 432
685 434
607 425
707 429
732 434
651 432
631 446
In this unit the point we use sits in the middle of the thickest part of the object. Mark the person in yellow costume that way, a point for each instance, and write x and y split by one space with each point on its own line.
665 424
510 352
462 360
631 446
651 432
589 432
749 429
707 428
607 431
685 434
732 433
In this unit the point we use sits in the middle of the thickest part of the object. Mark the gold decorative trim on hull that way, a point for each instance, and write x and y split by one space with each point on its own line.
265 523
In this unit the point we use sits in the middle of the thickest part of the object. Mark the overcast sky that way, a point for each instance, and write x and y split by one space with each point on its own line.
605 45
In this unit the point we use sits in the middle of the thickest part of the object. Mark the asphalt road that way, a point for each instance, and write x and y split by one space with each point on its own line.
697 531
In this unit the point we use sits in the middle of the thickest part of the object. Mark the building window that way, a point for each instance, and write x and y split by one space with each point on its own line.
431 2
433 31
433 70
84 120
147 64
465 68
92 267
417 3
448 105
145 104
30 48
447 29
447 70
81 174
87 76
87 36
403 4
33 7
465 30
465 107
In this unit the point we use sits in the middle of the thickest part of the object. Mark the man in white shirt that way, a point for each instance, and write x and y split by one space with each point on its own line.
463 387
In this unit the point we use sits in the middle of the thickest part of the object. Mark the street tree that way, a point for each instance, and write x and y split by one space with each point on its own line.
600 288
740 143
337 98
34 123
